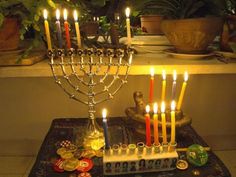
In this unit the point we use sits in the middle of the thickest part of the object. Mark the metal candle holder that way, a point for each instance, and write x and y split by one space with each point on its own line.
79 73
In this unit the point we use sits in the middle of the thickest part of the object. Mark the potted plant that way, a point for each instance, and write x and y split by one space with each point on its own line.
191 25
228 35
150 15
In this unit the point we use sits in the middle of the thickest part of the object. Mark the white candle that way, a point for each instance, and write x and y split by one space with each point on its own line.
127 13
174 85
172 137
77 29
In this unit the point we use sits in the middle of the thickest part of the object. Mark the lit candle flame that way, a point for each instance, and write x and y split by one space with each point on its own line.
152 72
164 74
185 76
174 75
75 14
118 17
173 105
104 114
65 14
127 12
147 109
45 14
58 14
163 107
155 108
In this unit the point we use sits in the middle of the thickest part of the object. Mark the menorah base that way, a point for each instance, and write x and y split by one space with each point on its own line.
94 137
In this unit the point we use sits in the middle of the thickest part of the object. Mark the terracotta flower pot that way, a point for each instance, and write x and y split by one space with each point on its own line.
192 35
90 28
9 34
228 33
151 24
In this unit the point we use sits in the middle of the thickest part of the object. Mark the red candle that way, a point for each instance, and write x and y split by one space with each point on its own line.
67 33
148 126
151 85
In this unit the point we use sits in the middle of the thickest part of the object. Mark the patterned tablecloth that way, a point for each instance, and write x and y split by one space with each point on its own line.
72 129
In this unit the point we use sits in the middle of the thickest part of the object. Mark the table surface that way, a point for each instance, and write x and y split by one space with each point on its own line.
62 129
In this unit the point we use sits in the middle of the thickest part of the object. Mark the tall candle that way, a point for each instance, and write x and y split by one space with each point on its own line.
151 85
172 137
181 96
163 91
173 93
127 12
66 26
155 124
77 29
163 121
104 123
148 126
58 26
46 25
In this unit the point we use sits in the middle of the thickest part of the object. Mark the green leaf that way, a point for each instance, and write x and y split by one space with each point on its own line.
51 4
36 17
36 27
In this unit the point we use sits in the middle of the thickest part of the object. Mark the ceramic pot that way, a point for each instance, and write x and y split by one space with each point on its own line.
192 35
90 28
151 24
9 34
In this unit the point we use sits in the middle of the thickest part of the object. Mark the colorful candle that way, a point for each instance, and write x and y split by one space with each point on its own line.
127 12
163 91
155 124
58 26
105 128
181 96
46 25
172 113
77 29
148 126
173 93
151 85
66 26
163 121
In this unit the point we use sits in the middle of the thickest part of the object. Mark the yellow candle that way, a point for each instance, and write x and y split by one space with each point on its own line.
46 25
127 12
163 92
77 29
181 96
155 124
172 137
163 121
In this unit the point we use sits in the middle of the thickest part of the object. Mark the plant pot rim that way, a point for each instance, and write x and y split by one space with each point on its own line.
192 19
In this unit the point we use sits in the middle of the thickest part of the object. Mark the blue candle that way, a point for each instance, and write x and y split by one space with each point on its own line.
58 25
104 123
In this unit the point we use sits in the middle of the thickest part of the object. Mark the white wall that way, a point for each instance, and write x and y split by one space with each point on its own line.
28 105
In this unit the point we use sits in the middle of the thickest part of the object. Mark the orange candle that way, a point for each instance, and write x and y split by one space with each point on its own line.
155 124
163 121
148 126
151 85
66 26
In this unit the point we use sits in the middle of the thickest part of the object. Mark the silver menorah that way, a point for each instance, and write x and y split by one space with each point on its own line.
91 76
